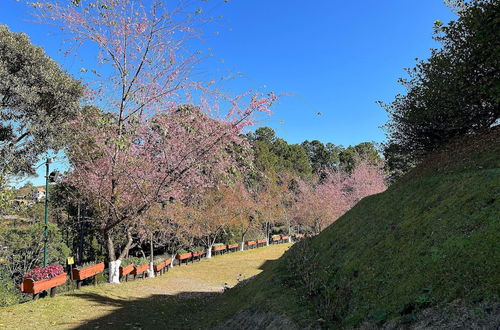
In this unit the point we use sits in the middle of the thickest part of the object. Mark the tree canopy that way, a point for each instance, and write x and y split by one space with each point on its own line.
455 92
36 99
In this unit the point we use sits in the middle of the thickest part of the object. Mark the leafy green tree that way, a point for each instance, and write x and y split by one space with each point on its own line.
319 156
398 162
455 92
322 156
75 219
22 249
36 99
5 196
276 155
368 151
351 157
299 163
265 134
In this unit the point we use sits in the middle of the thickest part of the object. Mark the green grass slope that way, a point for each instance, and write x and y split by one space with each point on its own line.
428 241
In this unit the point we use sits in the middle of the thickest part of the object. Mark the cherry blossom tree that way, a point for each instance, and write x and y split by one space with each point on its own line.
243 211
144 146
319 204
271 199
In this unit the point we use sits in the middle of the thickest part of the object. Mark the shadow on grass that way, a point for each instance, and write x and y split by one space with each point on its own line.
186 310
178 311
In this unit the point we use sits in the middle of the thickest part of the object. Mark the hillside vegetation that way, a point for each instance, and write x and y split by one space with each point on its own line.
427 244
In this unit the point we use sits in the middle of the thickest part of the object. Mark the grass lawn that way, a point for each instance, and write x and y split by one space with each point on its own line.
175 300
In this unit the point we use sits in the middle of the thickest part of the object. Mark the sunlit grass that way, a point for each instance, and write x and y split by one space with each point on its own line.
169 299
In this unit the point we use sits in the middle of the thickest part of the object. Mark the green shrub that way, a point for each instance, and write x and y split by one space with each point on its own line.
9 291
134 261
197 249
159 259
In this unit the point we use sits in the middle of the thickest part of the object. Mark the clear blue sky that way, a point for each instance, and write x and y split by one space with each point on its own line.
336 57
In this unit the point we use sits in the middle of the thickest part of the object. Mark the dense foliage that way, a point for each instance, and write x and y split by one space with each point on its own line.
22 247
36 98
454 92
22 250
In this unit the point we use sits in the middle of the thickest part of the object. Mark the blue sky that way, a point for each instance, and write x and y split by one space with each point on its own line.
335 57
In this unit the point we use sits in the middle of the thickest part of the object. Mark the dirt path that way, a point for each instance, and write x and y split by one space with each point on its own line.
168 301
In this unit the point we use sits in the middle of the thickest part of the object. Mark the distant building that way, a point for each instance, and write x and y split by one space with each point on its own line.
38 194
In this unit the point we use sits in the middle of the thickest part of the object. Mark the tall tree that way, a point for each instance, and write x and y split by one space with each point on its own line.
275 154
144 146
36 99
455 91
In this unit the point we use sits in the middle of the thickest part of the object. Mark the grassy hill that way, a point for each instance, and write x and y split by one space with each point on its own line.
426 249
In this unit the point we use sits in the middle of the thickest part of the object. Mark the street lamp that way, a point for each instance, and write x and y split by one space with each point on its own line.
52 177
46 227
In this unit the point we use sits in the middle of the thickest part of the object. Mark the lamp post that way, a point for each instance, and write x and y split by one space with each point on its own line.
46 227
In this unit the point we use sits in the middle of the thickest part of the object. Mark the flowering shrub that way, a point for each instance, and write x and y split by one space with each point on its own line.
43 273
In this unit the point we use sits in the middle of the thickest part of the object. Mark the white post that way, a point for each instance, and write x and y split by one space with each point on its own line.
114 271
151 271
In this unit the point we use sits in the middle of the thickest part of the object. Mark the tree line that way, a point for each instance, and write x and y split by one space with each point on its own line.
159 160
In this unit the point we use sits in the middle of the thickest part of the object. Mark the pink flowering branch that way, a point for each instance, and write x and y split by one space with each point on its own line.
141 146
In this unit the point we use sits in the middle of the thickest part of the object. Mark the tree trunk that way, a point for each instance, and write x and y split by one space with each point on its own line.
242 247
151 271
80 245
289 231
209 252
110 247
114 263
114 271
267 233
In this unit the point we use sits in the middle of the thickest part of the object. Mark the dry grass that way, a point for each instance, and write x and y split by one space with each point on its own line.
168 301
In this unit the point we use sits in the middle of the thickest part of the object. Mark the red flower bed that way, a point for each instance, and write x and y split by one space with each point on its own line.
44 273
31 286
232 246
250 243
